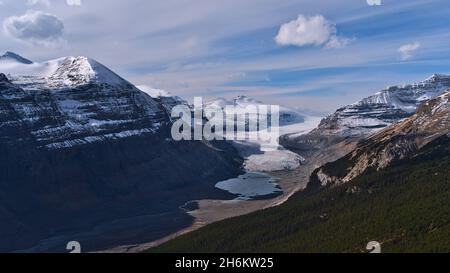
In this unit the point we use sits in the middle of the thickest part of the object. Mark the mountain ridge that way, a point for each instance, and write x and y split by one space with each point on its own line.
431 121
369 115
11 56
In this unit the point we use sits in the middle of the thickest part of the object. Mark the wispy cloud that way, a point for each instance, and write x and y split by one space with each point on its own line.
48 2
73 2
35 2
406 51
374 2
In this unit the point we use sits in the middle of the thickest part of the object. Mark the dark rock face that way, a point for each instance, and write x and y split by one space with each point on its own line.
14 57
75 158
3 78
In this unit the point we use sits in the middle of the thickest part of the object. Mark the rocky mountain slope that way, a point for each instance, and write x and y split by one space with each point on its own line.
80 148
431 121
78 103
369 115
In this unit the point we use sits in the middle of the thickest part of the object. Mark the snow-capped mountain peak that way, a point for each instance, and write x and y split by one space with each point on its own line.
401 140
81 70
58 73
385 107
75 101
372 114
13 57
437 78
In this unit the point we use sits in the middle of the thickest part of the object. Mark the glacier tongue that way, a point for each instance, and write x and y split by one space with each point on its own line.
257 160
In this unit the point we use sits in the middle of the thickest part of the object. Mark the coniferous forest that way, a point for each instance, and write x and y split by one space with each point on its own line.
405 207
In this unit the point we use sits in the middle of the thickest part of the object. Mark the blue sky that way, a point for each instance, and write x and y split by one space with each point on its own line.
344 50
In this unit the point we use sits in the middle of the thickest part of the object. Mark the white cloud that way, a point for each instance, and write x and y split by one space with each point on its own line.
47 2
35 2
35 27
310 30
338 42
73 2
407 51
374 2
304 30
